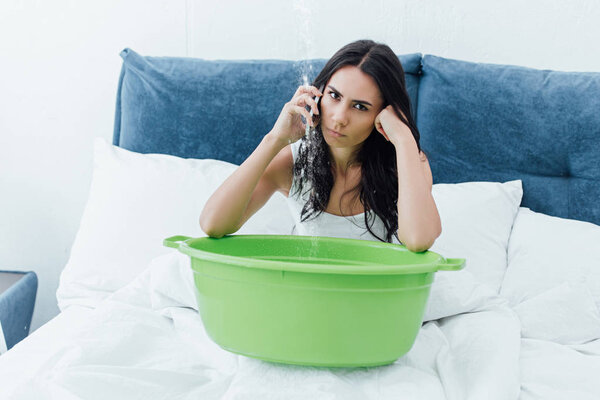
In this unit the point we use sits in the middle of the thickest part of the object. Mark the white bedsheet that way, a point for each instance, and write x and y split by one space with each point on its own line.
147 341
553 371
31 353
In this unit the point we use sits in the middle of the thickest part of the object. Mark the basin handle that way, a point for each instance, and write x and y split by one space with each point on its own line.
452 264
175 241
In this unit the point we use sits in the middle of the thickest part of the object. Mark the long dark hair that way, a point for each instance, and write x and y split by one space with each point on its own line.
377 157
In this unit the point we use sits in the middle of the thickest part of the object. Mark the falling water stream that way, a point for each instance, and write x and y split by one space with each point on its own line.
302 11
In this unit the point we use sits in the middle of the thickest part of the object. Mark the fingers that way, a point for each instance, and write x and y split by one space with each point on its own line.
307 100
380 130
308 89
304 97
304 112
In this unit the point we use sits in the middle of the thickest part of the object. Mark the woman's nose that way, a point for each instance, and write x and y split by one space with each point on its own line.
339 117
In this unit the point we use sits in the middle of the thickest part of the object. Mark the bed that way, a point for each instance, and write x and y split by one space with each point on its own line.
516 166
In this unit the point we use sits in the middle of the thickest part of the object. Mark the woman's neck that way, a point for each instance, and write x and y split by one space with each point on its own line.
346 173
343 161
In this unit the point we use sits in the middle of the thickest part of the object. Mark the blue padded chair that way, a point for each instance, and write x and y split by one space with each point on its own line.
16 304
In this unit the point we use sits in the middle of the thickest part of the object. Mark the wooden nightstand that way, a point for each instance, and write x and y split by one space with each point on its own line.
17 298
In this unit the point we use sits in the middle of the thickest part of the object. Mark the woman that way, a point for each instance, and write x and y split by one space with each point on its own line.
362 160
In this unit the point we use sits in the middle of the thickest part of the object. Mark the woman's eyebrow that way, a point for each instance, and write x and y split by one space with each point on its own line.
356 101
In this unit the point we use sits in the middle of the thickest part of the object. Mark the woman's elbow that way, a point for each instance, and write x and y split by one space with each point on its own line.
203 224
209 228
419 246
213 233
213 230
209 231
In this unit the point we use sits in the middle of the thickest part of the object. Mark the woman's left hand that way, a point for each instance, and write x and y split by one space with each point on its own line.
391 127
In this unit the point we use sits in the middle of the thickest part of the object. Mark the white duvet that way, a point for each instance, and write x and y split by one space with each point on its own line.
147 341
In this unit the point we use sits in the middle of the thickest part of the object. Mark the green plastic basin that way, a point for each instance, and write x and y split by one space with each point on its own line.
310 300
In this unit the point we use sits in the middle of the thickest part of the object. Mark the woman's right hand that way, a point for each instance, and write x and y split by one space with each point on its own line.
289 127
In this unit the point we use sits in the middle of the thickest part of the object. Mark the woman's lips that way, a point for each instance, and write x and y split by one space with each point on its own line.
334 133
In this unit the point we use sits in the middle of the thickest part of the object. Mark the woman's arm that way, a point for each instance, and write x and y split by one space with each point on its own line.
418 218
245 191
254 182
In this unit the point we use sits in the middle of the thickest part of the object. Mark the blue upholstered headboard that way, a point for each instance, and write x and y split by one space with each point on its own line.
478 122
208 109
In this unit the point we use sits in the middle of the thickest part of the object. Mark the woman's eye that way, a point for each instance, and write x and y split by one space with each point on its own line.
361 107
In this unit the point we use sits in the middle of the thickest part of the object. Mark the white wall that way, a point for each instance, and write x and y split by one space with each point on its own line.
59 68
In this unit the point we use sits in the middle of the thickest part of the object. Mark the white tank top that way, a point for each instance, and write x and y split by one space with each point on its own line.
326 224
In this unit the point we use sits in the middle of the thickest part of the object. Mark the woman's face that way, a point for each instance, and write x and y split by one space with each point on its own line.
351 101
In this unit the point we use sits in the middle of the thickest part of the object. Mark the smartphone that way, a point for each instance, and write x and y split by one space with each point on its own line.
309 109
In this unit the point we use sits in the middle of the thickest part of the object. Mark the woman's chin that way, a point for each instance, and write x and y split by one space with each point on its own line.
332 143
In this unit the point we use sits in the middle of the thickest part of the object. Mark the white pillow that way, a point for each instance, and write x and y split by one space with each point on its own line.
476 222
545 251
477 218
135 201
565 314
